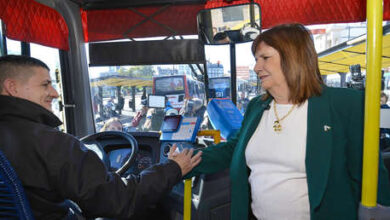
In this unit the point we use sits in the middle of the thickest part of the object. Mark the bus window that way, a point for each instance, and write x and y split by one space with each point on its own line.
218 60
218 70
13 47
122 92
117 92
50 56
246 76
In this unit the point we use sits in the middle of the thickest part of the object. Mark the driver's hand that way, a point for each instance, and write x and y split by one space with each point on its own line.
185 159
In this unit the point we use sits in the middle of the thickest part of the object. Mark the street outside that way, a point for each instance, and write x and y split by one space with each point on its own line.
127 113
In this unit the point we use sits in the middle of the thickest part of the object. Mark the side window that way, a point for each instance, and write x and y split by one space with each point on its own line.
218 69
247 81
50 56
13 47
2 48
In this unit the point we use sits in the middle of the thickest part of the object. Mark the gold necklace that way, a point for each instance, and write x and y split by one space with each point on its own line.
277 126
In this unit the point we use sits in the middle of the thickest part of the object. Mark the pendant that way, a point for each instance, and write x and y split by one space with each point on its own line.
277 126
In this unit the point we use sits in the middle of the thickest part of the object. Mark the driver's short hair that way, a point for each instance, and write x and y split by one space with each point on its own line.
220 36
15 66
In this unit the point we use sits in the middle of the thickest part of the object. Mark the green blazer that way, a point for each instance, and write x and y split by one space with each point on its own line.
334 149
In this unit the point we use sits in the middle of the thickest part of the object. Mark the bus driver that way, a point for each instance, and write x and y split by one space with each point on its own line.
54 166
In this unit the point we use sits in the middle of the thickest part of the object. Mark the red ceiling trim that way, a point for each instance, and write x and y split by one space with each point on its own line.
307 12
114 24
222 3
29 21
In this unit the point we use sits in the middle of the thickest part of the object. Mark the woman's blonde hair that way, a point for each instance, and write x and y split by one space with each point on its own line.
298 59
109 122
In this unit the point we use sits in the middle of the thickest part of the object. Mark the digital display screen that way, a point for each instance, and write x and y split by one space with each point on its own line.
219 87
156 101
220 82
171 123
118 157
169 84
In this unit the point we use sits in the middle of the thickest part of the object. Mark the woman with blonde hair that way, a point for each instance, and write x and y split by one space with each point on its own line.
113 124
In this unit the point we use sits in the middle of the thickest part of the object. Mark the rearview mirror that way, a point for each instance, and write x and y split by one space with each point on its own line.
231 24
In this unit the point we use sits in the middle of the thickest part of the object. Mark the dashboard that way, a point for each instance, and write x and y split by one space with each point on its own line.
114 151
118 157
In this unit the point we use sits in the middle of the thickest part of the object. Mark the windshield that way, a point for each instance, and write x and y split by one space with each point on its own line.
120 93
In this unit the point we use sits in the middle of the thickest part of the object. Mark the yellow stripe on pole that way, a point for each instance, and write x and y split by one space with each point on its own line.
188 182
371 116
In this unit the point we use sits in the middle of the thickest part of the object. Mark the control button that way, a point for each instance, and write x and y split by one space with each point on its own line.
166 149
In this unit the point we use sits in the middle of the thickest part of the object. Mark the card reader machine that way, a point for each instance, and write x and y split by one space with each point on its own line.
184 197
180 130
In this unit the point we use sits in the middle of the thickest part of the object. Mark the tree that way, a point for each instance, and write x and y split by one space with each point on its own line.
142 71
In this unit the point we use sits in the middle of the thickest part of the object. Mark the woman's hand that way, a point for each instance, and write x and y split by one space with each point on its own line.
185 159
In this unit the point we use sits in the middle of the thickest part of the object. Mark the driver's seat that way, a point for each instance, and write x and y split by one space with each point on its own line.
13 202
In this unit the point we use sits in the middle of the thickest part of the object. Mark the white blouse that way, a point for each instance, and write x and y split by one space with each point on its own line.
277 161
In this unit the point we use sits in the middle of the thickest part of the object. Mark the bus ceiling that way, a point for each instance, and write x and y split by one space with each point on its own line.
28 20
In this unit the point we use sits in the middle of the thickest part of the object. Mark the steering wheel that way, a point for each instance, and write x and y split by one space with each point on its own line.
91 139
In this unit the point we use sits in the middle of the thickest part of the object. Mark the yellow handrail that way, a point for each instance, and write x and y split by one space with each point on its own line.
215 133
371 115
188 182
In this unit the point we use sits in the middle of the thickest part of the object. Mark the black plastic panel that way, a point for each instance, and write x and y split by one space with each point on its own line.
111 4
146 53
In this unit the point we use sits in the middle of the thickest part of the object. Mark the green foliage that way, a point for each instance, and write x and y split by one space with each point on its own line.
144 72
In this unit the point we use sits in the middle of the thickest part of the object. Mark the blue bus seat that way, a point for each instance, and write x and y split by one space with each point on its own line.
13 202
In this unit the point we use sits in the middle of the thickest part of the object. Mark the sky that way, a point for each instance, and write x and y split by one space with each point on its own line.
221 53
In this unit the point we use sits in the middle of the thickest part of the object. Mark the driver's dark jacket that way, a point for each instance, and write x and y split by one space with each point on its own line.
54 166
